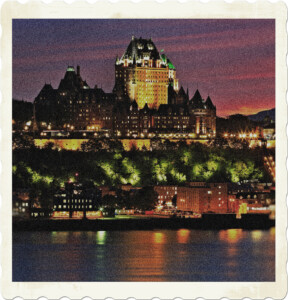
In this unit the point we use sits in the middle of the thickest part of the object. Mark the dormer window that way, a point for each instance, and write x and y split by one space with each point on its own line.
150 47
140 46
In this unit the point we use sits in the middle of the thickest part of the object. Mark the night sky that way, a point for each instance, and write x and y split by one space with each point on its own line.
231 60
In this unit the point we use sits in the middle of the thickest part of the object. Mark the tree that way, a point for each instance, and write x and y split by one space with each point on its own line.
174 200
92 145
146 198
109 204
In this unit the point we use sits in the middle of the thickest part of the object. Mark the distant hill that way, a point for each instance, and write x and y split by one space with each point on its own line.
262 114
234 123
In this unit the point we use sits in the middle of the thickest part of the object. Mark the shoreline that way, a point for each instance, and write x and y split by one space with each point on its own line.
208 222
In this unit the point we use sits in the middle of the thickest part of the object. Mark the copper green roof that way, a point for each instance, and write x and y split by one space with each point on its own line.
170 65
167 60
70 69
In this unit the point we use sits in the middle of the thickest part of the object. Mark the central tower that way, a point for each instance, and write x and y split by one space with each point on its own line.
143 75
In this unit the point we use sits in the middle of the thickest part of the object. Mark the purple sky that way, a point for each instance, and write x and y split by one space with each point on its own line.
231 60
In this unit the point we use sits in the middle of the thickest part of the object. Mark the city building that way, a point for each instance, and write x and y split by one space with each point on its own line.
143 75
166 193
201 197
146 102
21 203
77 200
251 202
74 105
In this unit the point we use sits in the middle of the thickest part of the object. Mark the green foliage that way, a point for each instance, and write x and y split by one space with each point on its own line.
195 162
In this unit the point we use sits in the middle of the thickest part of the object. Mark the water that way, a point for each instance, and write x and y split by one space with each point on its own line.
154 255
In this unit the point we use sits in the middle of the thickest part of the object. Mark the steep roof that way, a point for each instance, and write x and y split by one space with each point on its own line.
72 81
197 101
181 91
167 61
134 105
209 103
146 110
140 47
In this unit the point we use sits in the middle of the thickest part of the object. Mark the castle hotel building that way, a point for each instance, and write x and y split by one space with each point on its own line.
141 74
146 100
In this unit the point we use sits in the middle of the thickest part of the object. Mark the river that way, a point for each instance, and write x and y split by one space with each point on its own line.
152 255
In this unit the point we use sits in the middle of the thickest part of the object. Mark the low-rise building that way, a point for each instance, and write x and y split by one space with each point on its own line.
77 201
166 193
201 197
21 203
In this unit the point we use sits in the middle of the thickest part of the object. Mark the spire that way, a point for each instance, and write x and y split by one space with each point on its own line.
197 101
197 96
209 103
34 126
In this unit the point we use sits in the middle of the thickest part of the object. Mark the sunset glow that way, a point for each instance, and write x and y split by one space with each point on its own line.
231 60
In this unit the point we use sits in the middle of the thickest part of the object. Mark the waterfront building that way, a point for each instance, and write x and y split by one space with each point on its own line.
21 203
252 202
166 193
77 200
201 197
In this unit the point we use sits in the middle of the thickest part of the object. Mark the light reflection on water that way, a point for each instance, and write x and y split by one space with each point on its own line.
101 237
159 255
183 236
231 235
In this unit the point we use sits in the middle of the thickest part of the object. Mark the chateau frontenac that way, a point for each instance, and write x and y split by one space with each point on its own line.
146 101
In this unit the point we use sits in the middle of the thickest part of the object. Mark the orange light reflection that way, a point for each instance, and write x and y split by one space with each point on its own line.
231 235
183 236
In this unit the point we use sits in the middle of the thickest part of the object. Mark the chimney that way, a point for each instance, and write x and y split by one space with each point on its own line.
78 71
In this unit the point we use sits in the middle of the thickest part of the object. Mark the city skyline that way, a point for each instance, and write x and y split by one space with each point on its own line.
231 60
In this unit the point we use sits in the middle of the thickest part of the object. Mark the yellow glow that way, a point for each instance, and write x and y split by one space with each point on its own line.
77 215
93 214
67 144
60 215
138 144
183 236
231 235
272 233
101 237
256 235
158 238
